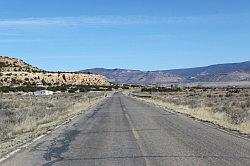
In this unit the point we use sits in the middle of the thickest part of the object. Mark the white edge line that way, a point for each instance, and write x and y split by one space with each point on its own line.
36 139
9 155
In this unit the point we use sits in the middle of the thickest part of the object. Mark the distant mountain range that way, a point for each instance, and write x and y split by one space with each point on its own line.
215 73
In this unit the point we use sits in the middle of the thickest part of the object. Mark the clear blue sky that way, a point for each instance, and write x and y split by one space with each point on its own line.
136 34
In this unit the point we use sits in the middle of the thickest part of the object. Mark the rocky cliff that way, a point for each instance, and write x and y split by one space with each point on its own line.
16 72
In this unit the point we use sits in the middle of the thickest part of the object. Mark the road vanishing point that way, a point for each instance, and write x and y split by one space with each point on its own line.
125 131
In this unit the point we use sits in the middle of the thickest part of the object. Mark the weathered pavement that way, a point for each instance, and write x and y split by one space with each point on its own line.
123 131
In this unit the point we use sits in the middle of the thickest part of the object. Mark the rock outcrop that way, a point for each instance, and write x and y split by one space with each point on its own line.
16 72
16 65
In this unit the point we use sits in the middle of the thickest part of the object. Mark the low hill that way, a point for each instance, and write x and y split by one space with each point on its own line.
16 72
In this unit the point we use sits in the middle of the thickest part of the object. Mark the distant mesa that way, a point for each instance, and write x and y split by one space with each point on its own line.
16 72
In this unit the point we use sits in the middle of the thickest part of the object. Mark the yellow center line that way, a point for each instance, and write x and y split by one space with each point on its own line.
134 130
136 134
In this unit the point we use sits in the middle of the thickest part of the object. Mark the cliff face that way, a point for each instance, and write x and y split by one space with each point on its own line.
24 78
17 72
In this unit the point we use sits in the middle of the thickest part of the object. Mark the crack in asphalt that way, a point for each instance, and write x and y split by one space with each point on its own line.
54 152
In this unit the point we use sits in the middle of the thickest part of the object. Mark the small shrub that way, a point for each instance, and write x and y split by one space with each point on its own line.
50 105
2 64
228 94
221 95
209 104
236 116
192 103
73 90
209 95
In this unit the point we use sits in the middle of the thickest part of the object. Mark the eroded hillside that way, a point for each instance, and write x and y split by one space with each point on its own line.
17 72
16 65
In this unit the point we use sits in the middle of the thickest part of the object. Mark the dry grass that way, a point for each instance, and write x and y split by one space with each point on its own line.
25 116
223 107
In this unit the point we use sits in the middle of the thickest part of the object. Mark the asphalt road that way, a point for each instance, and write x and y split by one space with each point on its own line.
124 131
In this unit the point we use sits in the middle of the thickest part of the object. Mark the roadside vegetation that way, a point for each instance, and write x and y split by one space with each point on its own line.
24 116
227 107
59 88
64 88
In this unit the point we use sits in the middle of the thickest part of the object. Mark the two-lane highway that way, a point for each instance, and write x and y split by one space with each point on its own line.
124 131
